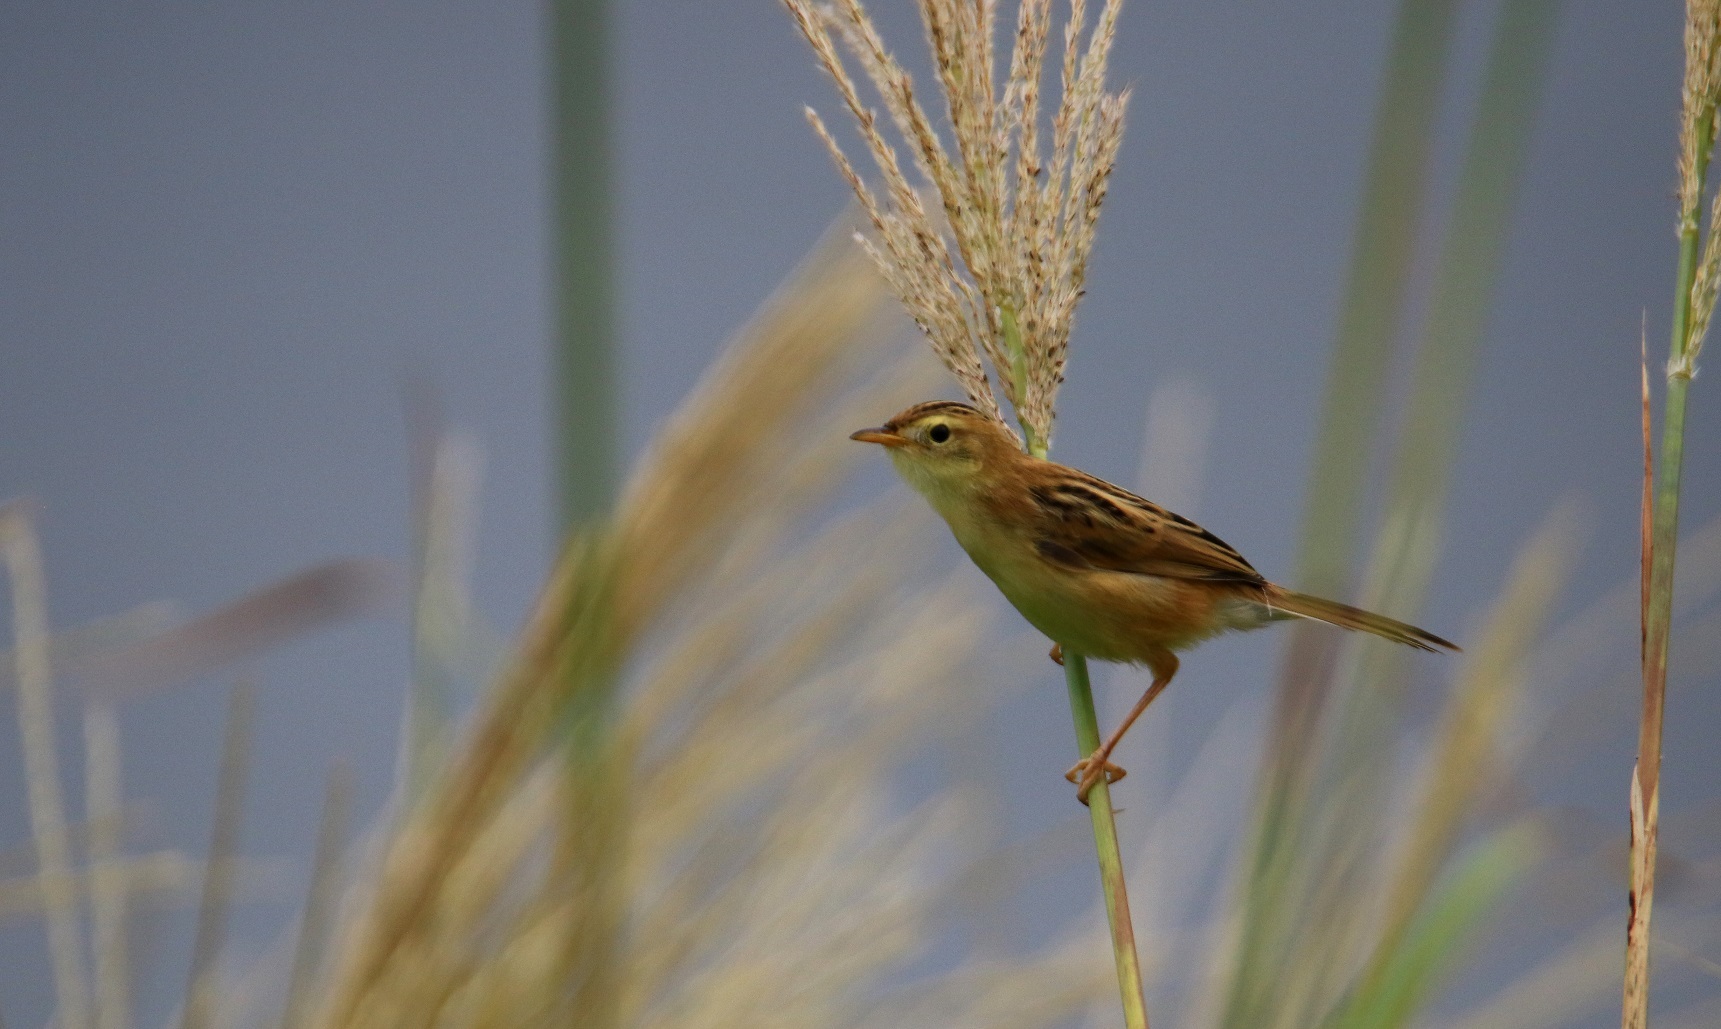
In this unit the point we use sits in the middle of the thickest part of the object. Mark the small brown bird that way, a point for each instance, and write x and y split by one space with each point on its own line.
1093 566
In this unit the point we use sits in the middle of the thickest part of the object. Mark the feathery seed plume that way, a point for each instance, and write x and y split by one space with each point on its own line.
1697 129
1022 228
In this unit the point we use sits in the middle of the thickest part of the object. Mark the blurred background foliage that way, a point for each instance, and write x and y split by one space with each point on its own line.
818 783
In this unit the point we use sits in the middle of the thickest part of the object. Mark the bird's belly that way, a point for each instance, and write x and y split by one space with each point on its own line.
1120 616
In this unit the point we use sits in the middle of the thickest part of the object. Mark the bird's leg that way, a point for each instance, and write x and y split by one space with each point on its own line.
1078 774
1056 653
1087 772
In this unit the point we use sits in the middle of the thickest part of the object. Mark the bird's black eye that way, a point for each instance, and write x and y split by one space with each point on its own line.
939 433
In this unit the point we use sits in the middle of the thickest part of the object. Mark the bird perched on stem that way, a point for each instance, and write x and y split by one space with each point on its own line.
1093 566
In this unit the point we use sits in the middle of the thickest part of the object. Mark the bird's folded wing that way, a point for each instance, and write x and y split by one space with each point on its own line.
1082 521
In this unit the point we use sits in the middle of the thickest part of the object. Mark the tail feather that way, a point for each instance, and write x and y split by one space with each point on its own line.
1290 602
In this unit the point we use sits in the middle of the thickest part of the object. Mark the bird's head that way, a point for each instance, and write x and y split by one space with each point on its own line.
942 447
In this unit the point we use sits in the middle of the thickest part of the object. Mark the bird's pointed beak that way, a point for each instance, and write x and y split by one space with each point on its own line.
881 436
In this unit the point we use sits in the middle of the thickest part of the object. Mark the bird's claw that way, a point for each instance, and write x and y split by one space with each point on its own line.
1086 774
1056 653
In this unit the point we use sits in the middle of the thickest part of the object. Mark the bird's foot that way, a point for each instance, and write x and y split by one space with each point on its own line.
1087 773
1056 653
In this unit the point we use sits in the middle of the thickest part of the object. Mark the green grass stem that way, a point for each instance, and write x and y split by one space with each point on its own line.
1394 191
1645 805
585 437
1353 408
1463 294
1129 981
1665 532
583 281
1382 250
1083 713
1323 761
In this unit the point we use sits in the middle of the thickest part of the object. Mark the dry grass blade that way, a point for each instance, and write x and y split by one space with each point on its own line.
23 556
1641 873
160 880
108 900
219 874
320 898
433 836
316 597
1641 898
73 649
444 637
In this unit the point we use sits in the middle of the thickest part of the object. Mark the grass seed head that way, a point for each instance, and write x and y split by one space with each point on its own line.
996 279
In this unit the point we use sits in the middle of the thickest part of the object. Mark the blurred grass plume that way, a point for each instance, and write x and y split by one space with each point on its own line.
724 850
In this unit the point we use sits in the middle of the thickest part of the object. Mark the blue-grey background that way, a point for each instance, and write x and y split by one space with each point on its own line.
230 233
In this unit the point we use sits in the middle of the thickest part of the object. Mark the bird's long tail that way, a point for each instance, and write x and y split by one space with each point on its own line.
1289 602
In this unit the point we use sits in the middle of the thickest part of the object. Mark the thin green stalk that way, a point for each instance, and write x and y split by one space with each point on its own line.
1082 712
1666 527
1468 269
1318 699
1353 408
587 462
1395 189
1368 688
1645 804
1381 256
583 359
1105 842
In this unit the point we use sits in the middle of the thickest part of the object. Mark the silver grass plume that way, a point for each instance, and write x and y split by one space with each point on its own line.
1701 97
1021 216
